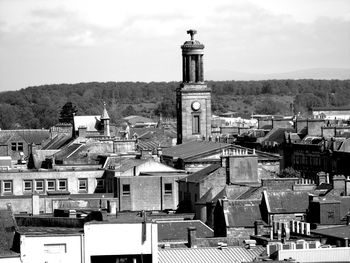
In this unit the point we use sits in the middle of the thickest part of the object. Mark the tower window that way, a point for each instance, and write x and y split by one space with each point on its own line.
196 124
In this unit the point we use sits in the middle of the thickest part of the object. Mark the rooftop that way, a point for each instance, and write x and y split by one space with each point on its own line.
209 254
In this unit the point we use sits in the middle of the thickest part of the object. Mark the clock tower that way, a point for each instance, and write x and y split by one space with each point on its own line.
193 97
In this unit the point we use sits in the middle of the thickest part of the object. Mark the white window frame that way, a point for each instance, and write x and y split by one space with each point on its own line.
65 188
6 189
28 190
50 188
124 192
84 188
41 189
168 192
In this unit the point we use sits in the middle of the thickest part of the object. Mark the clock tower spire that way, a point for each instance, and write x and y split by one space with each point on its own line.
193 97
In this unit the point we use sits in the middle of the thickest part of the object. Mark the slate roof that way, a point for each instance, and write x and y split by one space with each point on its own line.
67 151
178 230
133 119
276 135
7 232
243 213
286 201
202 174
29 136
57 142
49 231
152 138
194 148
123 164
208 254
337 232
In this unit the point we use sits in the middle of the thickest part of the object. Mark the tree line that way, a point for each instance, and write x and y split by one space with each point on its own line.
40 106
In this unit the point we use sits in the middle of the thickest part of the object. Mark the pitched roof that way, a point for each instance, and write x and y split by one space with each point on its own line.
194 148
57 142
123 164
90 122
105 115
242 213
133 119
202 174
286 201
337 232
276 135
36 136
208 254
178 230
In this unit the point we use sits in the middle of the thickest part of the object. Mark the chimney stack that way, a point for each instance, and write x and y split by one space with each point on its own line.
192 237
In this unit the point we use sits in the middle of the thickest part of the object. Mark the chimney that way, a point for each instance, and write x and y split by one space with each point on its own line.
224 203
348 220
346 241
82 130
339 183
347 186
321 177
192 237
258 228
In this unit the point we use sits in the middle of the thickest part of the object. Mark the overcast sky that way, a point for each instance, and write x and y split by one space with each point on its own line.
70 41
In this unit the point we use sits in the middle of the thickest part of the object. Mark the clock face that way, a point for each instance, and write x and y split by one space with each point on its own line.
196 105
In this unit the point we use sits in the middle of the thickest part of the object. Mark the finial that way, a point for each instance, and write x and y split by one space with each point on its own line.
192 32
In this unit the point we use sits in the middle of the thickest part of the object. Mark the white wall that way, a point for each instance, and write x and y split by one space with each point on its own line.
10 260
338 254
120 239
33 249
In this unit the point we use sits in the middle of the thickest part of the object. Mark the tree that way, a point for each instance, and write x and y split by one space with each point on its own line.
129 111
67 113
289 172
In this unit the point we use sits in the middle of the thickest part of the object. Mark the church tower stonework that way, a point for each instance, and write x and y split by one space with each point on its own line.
193 97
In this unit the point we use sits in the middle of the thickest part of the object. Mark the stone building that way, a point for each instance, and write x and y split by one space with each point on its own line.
193 97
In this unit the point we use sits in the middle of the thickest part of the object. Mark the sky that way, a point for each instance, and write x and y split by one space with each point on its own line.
72 41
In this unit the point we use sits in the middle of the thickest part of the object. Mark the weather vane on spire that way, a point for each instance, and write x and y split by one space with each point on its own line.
192 32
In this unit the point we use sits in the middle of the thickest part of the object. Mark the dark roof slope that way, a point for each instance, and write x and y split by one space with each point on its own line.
287 201
177 230
194 148
29 136
202 174
243 213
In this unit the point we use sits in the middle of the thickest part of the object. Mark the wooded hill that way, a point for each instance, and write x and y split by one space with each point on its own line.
39 107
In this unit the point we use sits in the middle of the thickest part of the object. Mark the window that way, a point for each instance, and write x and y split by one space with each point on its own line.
51 185
62 184
100 183
126 189
20 146
39 185
28 185
14 146
168 189
7 187
83 185
17 146
195 124
55 248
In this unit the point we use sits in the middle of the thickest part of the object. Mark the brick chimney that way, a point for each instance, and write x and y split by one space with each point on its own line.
347 186
339 183
192 237
322 177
